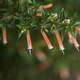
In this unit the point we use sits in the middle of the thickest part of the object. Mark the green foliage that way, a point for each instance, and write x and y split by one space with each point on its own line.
17 16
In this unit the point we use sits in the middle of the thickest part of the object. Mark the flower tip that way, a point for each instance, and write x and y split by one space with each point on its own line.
51 47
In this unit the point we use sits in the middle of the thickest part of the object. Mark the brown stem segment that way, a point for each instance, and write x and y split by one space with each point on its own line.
46 39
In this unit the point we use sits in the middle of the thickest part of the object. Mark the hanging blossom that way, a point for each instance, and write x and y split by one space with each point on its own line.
59 40
73 41
78 30
46 39
4 36
41 8
47 6
29 43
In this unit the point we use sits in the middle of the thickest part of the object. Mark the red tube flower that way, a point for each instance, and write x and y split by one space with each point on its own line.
78 30
47 6
4 36
58 38
46 39
38 14
29 43
73 41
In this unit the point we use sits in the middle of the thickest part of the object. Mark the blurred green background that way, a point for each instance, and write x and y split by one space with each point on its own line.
17 64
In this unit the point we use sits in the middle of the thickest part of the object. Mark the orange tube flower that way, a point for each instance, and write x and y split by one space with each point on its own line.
58 38
46 39
44 7
38 14
4 36
78 30
73 41
47 6
29 43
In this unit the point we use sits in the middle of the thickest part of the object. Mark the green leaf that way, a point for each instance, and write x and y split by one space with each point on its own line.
77 23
